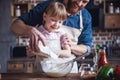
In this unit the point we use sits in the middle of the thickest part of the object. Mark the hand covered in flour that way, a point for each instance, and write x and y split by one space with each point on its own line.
65 40
44 52
30 53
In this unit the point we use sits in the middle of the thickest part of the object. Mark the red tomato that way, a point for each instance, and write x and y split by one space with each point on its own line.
117 72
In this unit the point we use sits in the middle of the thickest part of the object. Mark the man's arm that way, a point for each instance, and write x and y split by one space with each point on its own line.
65 52
78 49
85 39
20 28
25 25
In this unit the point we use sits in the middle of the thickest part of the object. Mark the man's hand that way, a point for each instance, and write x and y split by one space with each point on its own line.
35 36
31 53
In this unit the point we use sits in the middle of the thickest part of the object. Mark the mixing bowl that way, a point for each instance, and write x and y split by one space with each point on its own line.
58 67
53 68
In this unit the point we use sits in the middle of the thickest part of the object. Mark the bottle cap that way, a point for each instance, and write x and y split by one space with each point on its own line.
18 7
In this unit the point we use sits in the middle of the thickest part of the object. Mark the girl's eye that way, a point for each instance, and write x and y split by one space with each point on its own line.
84 1
53 20
56 21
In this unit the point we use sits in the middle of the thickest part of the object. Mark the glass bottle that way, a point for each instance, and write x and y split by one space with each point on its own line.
117 10
17 11
111 8
95 58
102 61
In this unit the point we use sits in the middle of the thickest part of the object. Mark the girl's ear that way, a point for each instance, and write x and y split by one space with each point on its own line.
44 16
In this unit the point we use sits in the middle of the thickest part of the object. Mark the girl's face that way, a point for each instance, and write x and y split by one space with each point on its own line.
51 23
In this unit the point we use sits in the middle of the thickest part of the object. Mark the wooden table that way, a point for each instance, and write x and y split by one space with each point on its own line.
37 76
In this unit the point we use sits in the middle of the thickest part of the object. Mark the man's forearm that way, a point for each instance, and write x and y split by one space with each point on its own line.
19 28
78 49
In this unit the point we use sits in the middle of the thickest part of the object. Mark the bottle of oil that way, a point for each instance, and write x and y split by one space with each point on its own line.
102 61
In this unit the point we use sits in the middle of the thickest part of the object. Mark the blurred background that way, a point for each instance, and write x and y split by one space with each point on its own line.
105 26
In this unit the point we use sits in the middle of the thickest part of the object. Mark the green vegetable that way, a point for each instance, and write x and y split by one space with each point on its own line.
105 73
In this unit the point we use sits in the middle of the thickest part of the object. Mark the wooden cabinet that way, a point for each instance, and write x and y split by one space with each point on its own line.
112 14
24 6
112 21
21 65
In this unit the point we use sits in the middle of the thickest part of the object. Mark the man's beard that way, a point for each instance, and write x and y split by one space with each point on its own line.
70 8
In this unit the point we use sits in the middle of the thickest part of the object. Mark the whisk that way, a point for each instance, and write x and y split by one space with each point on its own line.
62 66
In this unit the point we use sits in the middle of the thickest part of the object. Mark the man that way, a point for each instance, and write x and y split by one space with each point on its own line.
78 18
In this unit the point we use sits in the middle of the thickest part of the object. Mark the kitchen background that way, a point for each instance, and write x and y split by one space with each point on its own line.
106 27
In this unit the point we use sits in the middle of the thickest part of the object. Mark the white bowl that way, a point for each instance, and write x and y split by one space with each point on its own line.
55 69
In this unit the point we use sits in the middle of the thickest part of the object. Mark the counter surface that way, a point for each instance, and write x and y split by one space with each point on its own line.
37 76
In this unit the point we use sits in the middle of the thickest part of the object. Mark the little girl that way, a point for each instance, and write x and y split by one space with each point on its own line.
53 16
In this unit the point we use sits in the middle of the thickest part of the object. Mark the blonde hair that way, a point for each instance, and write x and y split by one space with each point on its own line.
57 10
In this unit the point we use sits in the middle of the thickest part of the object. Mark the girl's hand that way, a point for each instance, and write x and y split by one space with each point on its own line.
65 40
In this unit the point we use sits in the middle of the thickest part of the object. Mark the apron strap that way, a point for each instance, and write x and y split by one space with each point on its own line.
81 21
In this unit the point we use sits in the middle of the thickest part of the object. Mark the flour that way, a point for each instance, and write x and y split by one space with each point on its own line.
46 51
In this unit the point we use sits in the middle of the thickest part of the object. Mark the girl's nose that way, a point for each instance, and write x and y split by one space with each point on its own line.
56 23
